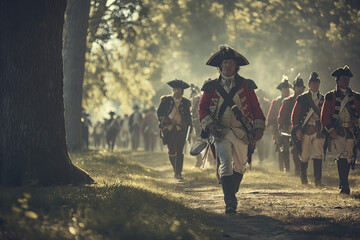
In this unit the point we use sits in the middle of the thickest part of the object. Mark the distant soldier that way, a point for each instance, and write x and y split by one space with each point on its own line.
305 121
195 100
263 146
124 135
134 123
284 126
85 124
271 120
340 120
97 133
175 123
149 128
111 130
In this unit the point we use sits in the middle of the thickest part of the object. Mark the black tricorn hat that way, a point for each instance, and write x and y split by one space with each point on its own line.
314 77
342 71
178 84
298 82
112 113
284 83
226 52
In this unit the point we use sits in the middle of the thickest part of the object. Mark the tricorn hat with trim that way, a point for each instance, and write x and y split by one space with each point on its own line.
284 83
314 77
342 71
226 52
178 84
298 82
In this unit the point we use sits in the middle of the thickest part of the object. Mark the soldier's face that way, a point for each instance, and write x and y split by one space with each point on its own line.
228 67
344 82
314 86
177 92
285 92
299 90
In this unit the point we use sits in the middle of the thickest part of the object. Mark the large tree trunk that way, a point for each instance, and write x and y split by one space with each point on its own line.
75 32
32 132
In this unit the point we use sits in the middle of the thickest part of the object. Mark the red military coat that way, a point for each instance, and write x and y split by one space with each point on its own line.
284 116
302 108
250 104
271 119
328 111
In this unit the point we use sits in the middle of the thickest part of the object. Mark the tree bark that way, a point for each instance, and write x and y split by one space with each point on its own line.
75 32
32 133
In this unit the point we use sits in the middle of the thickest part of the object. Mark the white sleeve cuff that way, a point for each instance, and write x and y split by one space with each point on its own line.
259 124
206 121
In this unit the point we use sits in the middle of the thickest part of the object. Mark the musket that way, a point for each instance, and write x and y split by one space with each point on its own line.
326 142
161 126
187 138
356 146
285 134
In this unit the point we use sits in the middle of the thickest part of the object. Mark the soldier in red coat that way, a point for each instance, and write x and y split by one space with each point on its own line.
284 126
340 119
217 117
305 120
271 120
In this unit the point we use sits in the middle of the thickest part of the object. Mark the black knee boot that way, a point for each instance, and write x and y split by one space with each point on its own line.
172 161
303 172
344 169
237 180
317 172
228 187
179 165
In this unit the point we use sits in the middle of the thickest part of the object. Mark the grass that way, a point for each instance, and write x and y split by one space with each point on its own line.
136 197
128 202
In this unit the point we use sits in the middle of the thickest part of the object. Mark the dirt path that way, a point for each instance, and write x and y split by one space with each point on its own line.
271 205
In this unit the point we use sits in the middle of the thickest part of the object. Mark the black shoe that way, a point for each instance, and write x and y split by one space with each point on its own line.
345 190
231 207
230 210
179 176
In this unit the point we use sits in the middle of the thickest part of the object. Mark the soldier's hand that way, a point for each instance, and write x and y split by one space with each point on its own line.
333 134
259 132
299 135
214 130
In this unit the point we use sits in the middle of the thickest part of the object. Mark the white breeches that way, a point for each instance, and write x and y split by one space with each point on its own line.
232 153
311 145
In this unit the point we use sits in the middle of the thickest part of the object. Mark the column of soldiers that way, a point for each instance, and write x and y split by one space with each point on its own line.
232 122
317 124
120 132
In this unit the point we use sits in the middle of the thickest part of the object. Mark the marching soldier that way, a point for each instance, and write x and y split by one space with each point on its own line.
306 129
284 126
175 123
340 119
195 97
271 120
263 146
230 112
112 128
134 123
149 128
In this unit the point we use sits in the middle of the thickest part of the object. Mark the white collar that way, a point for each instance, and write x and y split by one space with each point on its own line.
227 78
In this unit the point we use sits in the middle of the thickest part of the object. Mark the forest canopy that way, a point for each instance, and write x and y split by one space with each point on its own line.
136 46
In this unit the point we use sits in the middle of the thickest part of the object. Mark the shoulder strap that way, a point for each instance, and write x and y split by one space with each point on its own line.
237 112
229 95
312 104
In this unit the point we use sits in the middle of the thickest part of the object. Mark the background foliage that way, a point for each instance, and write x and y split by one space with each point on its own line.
136 46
